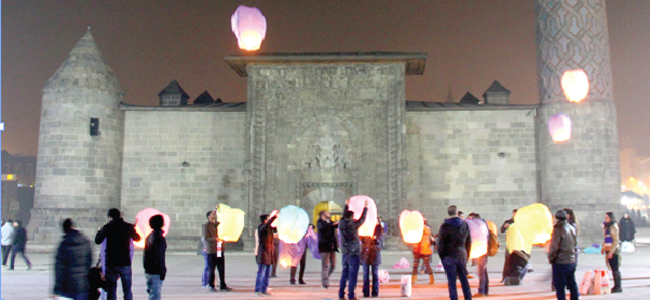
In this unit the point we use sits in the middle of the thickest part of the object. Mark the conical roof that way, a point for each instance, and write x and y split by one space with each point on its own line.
84 68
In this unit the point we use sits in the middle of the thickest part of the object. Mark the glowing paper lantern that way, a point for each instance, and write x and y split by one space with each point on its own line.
493 228
535 223
335 210
249 26
231 223
515 241
292 225
290 254
559 126
356 205
575 85
478 229
142 224
411 223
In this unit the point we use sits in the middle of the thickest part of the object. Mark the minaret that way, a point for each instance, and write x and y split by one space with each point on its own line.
582 173
80 145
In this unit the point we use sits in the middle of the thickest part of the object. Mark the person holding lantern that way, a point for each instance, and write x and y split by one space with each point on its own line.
562 256
350 249
264 254
371 257
214 251
327 246
423 251
454 245
612 250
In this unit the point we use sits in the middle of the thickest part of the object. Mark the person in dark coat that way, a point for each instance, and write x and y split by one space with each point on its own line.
454 244
350 249
153 258
327 246
264 255
19 244
118 235
73 261
562 256
214 251
371 257
627 229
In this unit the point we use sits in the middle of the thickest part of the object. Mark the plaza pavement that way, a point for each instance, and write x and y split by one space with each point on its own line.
184 278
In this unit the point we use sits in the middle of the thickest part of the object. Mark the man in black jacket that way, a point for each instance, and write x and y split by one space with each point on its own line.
118 235
73 260
350 249
562 255
19 244
153 258
454 245
327 246
264 254
214 250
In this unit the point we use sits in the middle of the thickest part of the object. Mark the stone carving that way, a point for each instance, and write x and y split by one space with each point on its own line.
326 155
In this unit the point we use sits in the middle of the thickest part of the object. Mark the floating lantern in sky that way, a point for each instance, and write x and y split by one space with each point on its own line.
335 210
535 223
142 224
559 126
249 26
575 85
292 224
478 229
411 223
356 205
515 241
231 223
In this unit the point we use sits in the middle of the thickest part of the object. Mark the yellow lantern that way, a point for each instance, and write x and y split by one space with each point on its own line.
231 223
559 127
335 210
356 205
411 223
249 26
535 223
515 241
478 229
142 224
292 225
575 85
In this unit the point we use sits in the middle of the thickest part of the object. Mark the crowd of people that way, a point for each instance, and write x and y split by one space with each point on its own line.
77 278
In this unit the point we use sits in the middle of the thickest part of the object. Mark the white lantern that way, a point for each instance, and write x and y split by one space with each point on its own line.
575 85
411 223
559 127
249 26
231 223
292 224
356 205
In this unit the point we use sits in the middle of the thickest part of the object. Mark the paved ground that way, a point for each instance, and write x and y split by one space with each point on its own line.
184 278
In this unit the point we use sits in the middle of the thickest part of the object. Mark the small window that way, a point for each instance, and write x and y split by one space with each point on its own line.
94 126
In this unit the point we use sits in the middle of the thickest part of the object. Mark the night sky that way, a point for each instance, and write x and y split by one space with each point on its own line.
469 44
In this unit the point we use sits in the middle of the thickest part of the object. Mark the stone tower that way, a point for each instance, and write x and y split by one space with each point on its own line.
80 145
582 173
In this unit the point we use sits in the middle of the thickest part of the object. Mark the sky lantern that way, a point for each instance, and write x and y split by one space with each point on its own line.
493 227
575 85
292 224
249 26
479 231
290 254
535 223
231 223
356 205
336 211
515 241
411 223
559 126
142 224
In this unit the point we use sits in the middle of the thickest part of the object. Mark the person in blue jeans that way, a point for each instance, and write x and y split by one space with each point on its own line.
562 256
264 255
371 258
350 249
118 235
153 258
454 245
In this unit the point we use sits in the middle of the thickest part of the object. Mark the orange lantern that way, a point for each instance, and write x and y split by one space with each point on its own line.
249 26
493 227
559 127
478 229
142 224
535 223
356 205
411 223
575 85
231 223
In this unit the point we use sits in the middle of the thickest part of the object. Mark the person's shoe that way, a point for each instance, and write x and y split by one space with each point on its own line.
414 279
431 279
530 271
470 276
258 294
225 289
213 289
325 286
375 296
10 269
267 294
302 282
342 299
292 282
479 295
617 290
274 276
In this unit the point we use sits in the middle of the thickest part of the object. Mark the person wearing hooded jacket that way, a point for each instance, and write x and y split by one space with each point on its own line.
72 263
562 256
454 244
612 250
350 249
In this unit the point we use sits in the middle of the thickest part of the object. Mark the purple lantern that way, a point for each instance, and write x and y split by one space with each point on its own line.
559 126
249 26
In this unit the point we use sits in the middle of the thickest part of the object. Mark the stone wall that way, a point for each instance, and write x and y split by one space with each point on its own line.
483 161
182 163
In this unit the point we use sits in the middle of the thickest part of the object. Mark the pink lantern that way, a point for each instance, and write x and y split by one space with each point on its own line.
575 85
249 26
411 223
142 224
559 126
356 205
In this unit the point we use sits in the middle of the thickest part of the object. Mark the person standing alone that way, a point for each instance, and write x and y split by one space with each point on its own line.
73 261
19 244
612 250
562 256
7 240
153 258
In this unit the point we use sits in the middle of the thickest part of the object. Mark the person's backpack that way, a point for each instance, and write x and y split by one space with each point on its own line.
493 244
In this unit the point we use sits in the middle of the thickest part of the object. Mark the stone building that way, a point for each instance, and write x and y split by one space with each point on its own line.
326 126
